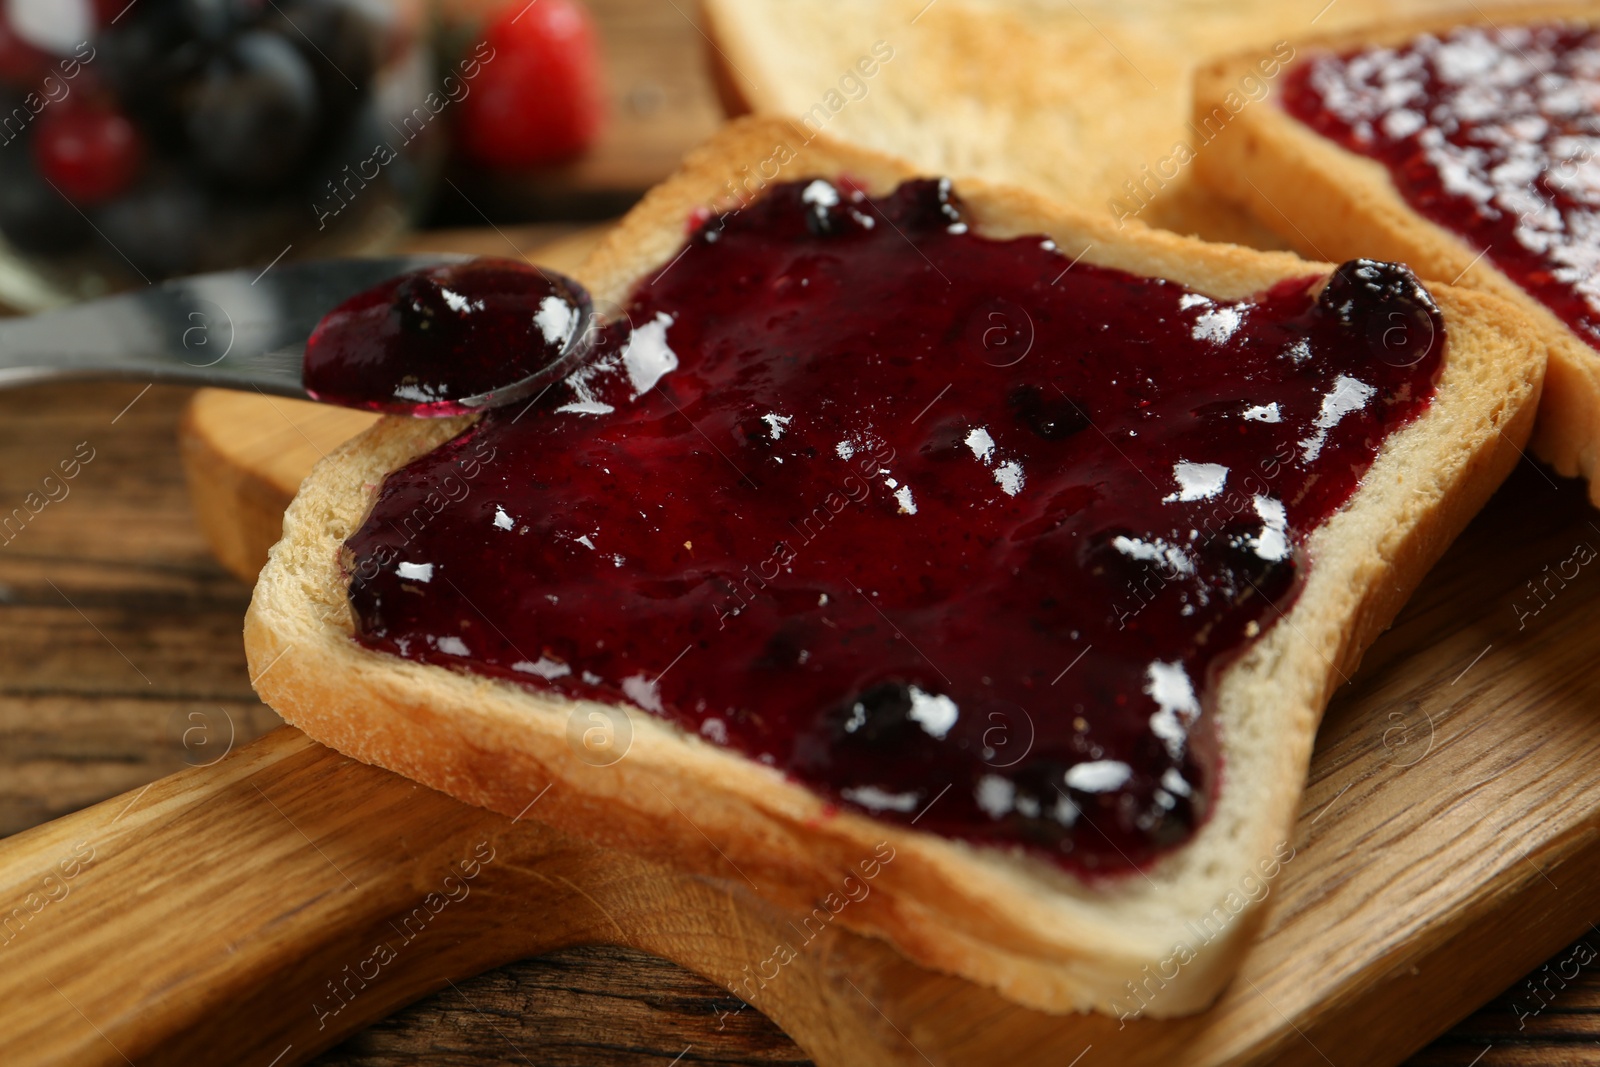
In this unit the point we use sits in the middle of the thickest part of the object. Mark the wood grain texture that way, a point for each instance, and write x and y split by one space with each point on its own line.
597 1006
270 921
119 635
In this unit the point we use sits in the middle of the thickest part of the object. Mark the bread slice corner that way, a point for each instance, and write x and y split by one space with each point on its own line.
1331 203
1038 935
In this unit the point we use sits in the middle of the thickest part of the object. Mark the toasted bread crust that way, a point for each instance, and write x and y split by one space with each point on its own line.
1084 102
1331 203
1017 924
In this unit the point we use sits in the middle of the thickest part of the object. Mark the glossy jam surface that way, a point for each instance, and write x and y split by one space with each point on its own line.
947 528
433 341
1493 134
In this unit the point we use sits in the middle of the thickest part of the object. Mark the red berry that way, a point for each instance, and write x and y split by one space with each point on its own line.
108 11
21 63
89 153
537 97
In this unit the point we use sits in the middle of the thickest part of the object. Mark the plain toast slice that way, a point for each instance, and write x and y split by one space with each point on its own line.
1084 102
1020 925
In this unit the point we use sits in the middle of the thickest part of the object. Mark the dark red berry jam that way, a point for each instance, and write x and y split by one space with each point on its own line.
436 341
1493 134
947 528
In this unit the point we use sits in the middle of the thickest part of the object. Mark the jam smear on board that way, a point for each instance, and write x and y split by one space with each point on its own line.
429 342
955 531
1493 134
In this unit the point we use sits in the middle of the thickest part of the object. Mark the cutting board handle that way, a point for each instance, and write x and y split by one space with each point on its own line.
260 910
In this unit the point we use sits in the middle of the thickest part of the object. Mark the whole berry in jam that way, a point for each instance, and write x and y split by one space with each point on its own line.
1384 301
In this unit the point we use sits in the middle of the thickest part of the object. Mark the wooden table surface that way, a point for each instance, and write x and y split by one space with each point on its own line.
121 662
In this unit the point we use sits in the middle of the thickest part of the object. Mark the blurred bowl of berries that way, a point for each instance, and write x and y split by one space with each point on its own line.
144 139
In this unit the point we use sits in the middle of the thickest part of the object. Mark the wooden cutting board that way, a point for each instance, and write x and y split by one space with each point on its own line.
261 909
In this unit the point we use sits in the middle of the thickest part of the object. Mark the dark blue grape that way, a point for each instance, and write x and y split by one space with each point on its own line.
171 224
34 217
214 20
339 41
160 226
253 112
